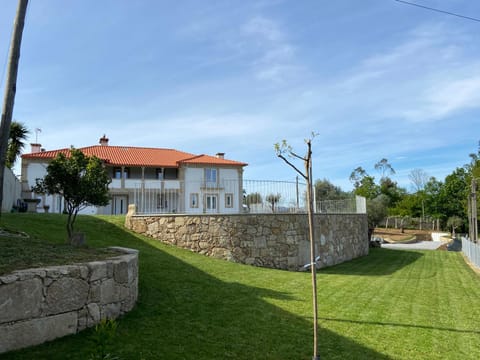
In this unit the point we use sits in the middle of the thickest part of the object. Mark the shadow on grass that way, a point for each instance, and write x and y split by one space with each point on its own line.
186 313
379 262
360 322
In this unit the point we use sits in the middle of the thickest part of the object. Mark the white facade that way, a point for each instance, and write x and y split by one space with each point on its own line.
190 188
213 190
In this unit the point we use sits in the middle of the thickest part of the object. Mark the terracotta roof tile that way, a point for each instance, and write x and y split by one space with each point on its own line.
211 160
138 156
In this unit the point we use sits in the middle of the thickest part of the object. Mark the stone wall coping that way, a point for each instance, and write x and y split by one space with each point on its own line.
44 303
24 274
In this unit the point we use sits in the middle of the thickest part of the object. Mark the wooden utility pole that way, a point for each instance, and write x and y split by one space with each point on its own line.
11 87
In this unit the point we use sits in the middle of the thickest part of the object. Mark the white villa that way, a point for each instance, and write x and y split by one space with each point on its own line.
157 180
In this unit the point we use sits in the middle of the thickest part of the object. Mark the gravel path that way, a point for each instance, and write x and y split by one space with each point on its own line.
421 245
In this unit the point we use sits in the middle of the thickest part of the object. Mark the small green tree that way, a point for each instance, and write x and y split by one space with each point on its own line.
325 190
454 222
273 200
253 198
376 212
80 179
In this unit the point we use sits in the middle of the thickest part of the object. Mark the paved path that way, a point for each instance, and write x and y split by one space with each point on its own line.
421 245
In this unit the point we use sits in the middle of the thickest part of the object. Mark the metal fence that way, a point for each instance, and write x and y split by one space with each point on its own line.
354 205
472 251
251 196
267 196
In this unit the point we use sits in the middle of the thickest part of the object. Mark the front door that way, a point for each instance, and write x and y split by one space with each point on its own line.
119 204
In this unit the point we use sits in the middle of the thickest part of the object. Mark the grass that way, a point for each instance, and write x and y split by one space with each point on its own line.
20 252
388 305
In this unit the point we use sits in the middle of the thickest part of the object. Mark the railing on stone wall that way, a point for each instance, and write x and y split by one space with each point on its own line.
258 197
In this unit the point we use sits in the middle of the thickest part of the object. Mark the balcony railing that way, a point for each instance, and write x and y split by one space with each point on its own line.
131 184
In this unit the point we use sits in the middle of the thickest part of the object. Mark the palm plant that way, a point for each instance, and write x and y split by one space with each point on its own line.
16 142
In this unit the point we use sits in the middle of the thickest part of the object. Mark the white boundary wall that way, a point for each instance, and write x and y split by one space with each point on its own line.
472 251
11 190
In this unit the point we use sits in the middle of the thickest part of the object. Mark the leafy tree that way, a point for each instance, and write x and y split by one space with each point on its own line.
16 142
453 195
325 190
433 203
409 205
454 222
376 212
367 188
273 200
253 198
384 168
391 189
81 180
364 184
357 175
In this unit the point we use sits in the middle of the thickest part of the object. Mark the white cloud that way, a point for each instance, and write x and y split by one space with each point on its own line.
425 78
275 56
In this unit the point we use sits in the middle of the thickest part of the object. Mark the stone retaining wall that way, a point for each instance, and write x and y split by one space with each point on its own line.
269 240
38 305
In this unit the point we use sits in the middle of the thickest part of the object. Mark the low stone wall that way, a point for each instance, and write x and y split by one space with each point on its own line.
38 305
269 240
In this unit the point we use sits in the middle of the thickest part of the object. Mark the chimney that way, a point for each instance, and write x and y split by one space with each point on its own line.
220 155
104 140
36 148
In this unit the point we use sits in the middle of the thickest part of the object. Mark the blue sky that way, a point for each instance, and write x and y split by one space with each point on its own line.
374 78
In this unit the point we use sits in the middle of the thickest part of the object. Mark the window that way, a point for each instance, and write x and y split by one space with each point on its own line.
170 173
211 177
194 200
211 201
159 172
228 200
117 173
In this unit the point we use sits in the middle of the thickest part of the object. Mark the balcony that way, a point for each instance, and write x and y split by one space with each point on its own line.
148 184
167 184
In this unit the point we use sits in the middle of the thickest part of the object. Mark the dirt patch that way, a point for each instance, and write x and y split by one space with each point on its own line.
396 235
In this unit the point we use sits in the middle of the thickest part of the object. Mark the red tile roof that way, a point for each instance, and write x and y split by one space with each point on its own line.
138 156
210 160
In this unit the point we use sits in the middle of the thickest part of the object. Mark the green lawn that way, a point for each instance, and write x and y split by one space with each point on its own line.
389 305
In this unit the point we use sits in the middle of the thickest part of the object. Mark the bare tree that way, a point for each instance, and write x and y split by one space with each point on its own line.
281 150
419 179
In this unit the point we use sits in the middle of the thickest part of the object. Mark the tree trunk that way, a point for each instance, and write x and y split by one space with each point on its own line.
11 87
313 266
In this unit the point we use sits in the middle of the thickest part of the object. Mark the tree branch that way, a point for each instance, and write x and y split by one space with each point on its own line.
293 166
297 156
